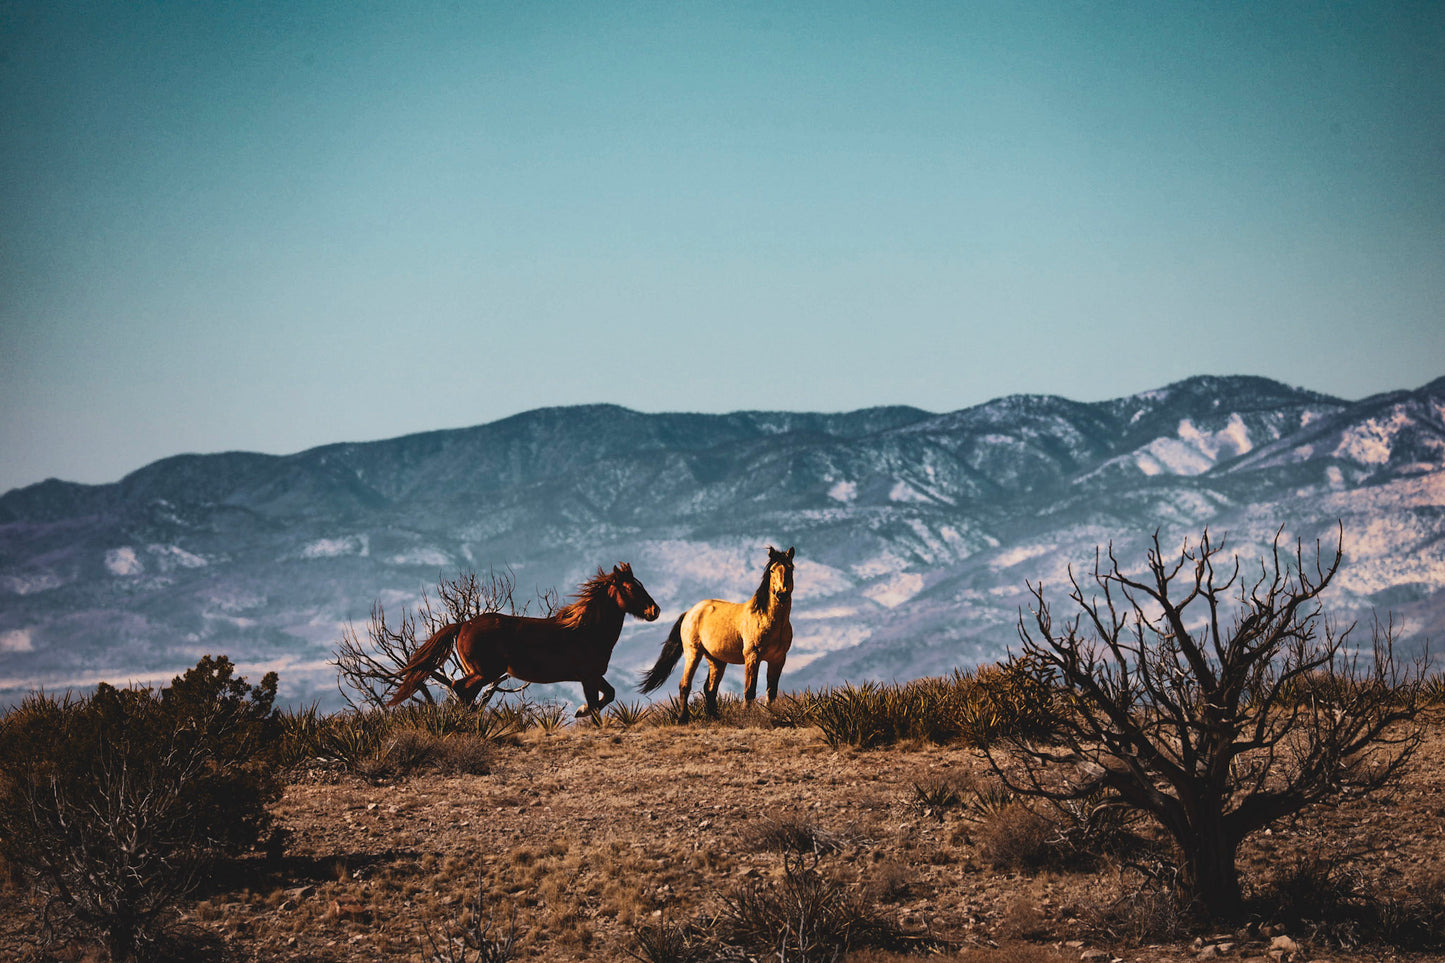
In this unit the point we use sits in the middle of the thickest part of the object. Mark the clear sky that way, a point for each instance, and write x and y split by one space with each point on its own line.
268 226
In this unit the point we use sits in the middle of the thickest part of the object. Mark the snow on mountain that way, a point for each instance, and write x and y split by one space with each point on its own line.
917 534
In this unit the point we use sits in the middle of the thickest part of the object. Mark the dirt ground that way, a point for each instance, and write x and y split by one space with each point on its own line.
578 837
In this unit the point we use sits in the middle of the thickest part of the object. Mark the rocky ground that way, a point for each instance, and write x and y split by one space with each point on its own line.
580 839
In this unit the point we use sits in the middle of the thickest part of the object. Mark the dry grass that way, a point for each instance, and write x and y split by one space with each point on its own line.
636 839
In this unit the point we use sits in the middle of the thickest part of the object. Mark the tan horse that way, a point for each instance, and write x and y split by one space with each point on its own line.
574 644
743 633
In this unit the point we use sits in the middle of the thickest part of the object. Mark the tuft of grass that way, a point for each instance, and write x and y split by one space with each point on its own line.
792 835
1016 837
804 916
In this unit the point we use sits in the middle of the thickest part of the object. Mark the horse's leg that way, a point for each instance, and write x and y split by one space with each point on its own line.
469 687
775 672
684 688
482 665
598 696
589 694
750 676
715 668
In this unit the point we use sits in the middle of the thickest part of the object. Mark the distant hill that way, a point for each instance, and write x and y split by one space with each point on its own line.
916 532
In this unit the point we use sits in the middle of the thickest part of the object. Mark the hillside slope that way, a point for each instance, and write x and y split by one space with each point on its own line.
916 532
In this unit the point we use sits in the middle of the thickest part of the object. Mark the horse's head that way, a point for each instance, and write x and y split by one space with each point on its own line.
624 589
780 572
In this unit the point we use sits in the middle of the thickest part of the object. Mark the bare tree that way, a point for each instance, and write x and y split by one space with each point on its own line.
369 669
1216 703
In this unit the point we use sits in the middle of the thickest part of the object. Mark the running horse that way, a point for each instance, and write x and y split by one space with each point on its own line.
574 644
741 633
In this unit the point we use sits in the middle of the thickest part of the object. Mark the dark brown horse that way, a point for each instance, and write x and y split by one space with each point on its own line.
574 644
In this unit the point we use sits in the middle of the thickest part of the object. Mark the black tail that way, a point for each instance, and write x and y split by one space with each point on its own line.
671 652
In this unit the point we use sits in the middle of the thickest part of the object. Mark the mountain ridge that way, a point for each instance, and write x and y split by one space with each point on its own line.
915 529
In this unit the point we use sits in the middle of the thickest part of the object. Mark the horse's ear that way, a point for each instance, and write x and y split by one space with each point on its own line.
625 568
614 592
790 553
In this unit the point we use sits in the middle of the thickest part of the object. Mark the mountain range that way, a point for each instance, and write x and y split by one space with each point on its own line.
916 533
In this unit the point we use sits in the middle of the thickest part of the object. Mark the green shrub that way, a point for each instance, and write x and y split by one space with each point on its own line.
114 805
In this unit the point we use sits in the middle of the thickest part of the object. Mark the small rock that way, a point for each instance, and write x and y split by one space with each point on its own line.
1094 955
346 909
1208 952
1284 944
1075 944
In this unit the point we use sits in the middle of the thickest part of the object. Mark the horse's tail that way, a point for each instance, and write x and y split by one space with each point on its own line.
671 652
431 654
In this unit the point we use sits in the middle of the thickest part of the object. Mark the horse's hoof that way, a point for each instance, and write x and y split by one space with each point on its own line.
584 711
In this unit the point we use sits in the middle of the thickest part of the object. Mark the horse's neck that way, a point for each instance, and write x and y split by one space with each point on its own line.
773 611
606 627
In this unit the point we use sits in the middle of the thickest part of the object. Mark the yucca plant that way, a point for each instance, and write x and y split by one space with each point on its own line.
937 794
990 801
1432 690
303 734
627 714
857 715
354 737
794 710
549 717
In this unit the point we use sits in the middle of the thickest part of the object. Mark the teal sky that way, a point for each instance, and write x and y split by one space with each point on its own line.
270 226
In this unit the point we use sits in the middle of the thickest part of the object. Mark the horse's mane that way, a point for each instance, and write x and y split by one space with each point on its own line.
586 608
761 598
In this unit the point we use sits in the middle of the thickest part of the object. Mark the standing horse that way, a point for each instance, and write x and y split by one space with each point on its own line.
574 644
743 633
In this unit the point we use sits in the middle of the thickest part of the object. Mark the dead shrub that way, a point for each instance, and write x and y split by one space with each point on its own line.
792 835
1333 903
805 915
668 942
1151 907
1023 920
464 755
1016 837
889 881
476 936
1414 917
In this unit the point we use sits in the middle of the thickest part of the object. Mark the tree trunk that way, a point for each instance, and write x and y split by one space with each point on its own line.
1211 875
